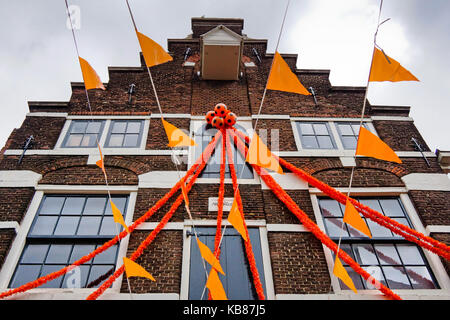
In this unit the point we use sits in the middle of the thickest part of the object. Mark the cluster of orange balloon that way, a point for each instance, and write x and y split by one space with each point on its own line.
221 117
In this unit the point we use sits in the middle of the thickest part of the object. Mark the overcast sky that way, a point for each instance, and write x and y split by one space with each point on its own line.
38 59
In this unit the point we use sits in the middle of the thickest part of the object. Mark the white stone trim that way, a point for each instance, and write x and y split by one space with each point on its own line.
168 226
348 162
108 117
160 179
267 264
271 116
329 119
415 154
86 189
436 229
172 115
427 181
274 227
384 191
189 64
392 118
19 178
47 114
288 181
82 294
249 64
9 225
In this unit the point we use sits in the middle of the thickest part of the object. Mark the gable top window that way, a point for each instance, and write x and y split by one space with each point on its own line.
124 134
83 134
315 135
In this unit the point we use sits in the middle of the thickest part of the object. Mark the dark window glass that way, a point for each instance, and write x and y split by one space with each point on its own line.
348 132
125 134
237 283
315 135
65 229
389 258
83 133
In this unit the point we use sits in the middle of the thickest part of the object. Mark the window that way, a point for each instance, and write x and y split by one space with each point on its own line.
125 134
83 133
389 258
315 135
238 283
212 170
65 229
348 132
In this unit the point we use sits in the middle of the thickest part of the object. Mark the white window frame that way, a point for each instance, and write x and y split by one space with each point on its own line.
267 265
19 242
433 260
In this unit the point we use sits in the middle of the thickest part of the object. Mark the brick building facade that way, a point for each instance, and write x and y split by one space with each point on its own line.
51 202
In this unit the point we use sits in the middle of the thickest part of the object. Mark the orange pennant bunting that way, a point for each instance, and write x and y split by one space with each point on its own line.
340 272
369 145
100 162
259 154
153 53
177 138
132 269
215 286
90 77
236 220
117 215
281 77
209 256
384 68
352 217
184 192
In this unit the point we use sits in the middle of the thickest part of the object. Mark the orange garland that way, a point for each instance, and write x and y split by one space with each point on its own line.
409 234
248 246
309 224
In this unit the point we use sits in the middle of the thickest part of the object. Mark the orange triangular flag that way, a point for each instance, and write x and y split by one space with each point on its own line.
236 220
340 272
184 192
352 217
209 256
281 77
132 269
369 145
259 154
117 215
215 286
177 138
153 53
100 162
384 68
90 77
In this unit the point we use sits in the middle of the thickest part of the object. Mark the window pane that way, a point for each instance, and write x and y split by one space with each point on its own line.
355 233
74 140
25 274
345 129
115 140
44 225
52 205
106 257
355 278
134 126
355 128
73 206
47 269
89 226
378 231
402 221
396 278
119 127
78 127
375 273
120 204
320 128
420 278
34 253
325 142
67 226
58 253
89 140
372 203
306 128
387 254
131 140
334 227
309 142
392 208
109 227
94 206
349 142
93 127
410 254
76 278
330 208
98 275
347 249
364 254
80 250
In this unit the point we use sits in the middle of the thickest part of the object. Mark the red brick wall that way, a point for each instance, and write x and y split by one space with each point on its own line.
433 206
14 203
398 134
6 238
